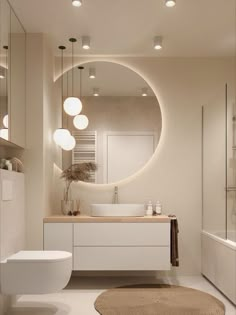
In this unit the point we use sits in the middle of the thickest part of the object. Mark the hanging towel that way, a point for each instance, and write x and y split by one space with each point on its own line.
174 250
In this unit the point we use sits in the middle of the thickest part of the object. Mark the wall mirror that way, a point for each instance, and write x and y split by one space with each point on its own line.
5 27
124 120
12 82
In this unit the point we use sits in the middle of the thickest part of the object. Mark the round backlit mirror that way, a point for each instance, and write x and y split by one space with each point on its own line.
123 124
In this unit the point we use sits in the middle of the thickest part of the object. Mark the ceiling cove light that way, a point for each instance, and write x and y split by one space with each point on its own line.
77 3
72 105
86 42
157 42
95 92
170 3
144 91
92 73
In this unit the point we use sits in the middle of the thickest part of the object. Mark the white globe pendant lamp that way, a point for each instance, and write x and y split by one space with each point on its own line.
5 121
61 136
170 3
72 105
69 145
77 3
81 122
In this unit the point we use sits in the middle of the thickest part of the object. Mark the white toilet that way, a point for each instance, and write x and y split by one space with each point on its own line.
35 272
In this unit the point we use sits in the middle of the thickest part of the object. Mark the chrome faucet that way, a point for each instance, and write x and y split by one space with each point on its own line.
115 196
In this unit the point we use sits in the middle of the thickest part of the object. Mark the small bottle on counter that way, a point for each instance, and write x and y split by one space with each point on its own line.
9 165
149 211
158 208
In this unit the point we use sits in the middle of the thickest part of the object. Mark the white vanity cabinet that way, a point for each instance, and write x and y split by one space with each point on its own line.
112 245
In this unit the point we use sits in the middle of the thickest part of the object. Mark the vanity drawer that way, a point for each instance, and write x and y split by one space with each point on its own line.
121 258
121 234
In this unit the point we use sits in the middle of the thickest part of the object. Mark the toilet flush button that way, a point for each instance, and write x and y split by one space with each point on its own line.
7 190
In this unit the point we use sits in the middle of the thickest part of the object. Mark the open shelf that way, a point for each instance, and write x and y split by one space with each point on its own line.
9 144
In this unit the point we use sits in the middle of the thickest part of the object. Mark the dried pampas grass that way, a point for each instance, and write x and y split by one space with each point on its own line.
77 172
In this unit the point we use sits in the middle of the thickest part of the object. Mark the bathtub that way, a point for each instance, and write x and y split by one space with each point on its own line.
219 262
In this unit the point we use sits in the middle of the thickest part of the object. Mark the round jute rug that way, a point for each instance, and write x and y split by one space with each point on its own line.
154 299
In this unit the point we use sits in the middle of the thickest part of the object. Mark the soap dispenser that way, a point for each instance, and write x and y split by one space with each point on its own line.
149 211
158 208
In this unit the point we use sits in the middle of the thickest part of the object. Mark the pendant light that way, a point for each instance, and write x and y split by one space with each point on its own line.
72 105
81 121
4 132
70 143
77 3
170 3
5 121
61 135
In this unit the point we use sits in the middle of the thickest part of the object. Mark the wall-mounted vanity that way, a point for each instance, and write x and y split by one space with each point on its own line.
106 243
12 79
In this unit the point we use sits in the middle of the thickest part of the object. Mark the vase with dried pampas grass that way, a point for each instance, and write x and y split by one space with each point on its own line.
75 173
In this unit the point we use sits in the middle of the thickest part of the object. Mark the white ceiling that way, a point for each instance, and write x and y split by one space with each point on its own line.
112 80
127 27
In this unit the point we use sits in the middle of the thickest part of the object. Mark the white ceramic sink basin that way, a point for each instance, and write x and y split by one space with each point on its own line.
117 210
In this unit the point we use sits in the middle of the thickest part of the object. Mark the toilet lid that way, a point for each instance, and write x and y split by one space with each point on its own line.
39 256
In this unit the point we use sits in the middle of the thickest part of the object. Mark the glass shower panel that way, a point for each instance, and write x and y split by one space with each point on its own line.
213 167
231 169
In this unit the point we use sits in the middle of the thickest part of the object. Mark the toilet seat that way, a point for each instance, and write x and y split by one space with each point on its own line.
35 272
38 256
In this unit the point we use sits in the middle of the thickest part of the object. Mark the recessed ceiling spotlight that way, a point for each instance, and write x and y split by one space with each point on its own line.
76 3
86 42
170 3
157 42
92 73
144 91
95 92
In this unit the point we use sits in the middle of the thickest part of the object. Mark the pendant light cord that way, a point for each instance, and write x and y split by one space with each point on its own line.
67 93
81 68
67 84
6 47
80 89
62 68
72 43
6 78
62 48
72 40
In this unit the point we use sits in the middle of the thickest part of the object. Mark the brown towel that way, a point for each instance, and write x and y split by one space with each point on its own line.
174 250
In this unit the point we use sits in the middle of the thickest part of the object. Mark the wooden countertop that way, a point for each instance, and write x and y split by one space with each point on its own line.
89 219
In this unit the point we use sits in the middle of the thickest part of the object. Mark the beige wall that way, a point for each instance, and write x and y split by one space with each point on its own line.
40 152
173 176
